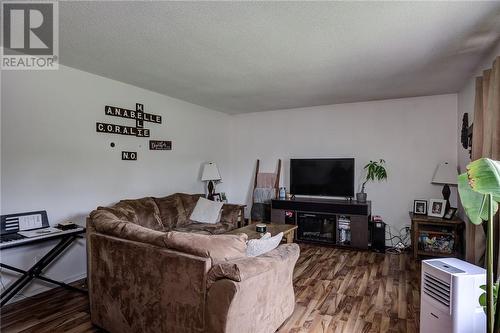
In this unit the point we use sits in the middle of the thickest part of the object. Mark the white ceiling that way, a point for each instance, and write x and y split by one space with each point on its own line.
254 56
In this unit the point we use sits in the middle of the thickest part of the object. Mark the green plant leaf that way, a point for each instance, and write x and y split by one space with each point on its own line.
482 297
479 187
484 176
474 203
482 301
375 170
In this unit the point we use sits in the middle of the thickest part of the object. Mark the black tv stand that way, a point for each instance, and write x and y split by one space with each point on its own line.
326 221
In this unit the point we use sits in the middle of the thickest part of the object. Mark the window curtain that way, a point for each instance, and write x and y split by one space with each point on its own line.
485 143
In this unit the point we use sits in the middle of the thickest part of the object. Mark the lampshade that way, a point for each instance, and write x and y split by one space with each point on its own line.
210 172
446 173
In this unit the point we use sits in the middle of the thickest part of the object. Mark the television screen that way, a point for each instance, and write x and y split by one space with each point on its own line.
323 177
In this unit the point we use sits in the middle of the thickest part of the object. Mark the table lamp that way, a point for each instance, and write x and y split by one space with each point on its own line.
210 174
446 174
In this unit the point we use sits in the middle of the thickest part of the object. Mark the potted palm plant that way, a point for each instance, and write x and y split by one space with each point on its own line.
479 190
375 171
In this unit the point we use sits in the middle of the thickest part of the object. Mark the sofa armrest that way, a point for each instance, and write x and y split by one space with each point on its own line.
230 215
127 230
241 269
139 287
252 294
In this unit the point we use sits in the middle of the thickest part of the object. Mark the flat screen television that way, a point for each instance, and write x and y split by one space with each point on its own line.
332 177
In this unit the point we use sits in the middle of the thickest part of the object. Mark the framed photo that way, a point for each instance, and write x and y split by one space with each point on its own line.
217 197
450 213
437 207
223 197
420 207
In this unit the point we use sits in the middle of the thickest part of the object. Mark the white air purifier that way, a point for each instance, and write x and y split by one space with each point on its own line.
449 297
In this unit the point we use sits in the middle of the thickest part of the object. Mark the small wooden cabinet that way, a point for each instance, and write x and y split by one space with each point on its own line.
436 237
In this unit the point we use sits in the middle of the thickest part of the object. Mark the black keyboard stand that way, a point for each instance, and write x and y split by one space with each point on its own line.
36 270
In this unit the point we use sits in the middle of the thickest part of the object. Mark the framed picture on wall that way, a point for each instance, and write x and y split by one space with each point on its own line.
420 207
437 207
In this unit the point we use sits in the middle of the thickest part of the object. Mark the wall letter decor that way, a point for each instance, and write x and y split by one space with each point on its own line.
138 115
139 131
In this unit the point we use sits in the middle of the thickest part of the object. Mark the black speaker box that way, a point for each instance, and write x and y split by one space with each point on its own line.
378 236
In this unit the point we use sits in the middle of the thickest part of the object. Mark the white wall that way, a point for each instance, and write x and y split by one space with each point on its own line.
53 159
413 135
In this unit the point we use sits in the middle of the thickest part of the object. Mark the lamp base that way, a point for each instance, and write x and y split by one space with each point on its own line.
211 190
446 195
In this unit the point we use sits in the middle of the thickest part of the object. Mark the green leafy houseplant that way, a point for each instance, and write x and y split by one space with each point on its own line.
375 170
479 190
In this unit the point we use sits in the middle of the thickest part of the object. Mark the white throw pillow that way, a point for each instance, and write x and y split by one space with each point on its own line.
206 211
256 247
266 235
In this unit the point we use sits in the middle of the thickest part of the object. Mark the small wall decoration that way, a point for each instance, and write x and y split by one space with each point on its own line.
465 125
160 145
466 134
129 155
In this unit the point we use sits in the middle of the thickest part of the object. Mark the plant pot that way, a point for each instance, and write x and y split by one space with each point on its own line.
361 197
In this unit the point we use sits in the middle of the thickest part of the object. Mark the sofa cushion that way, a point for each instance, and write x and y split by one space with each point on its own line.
206 228
188 202
143 212
230 214
126 230
172 212
219 248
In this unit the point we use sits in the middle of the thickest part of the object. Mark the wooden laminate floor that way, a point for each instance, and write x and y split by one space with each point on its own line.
336 291
353 291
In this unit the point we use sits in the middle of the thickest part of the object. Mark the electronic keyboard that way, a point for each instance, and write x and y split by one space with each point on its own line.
32 224
13 240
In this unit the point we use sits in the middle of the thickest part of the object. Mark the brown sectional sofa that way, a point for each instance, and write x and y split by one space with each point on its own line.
151 269
169 213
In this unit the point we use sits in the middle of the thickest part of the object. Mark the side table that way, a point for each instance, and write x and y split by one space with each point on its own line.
437 228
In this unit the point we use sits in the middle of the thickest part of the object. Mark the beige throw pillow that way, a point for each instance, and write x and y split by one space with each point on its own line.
206 211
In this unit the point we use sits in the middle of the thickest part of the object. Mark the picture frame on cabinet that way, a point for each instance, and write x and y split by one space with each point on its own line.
420 207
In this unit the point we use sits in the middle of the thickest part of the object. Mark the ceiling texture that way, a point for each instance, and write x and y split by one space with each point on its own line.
240 57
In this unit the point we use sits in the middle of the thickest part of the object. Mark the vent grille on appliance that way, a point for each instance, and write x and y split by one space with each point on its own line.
437 289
